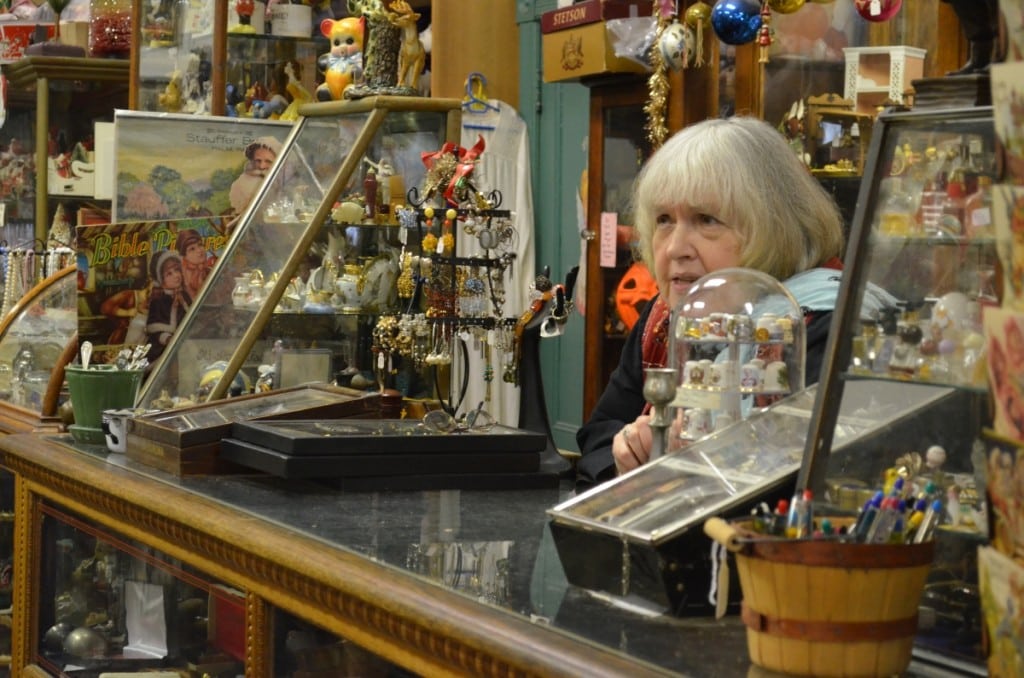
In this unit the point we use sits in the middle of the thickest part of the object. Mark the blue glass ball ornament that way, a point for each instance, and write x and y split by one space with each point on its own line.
736 22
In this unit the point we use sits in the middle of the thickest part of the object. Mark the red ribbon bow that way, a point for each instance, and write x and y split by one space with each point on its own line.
463 168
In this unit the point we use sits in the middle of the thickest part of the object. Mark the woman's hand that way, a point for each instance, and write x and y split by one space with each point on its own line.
631 447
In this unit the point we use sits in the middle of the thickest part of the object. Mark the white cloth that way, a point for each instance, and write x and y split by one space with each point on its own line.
504 166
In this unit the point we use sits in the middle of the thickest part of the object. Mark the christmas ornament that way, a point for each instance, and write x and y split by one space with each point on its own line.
736 22
878 10
676 46
657 83
698 17
785 6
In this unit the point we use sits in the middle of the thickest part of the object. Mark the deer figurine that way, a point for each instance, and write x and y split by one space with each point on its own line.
411 55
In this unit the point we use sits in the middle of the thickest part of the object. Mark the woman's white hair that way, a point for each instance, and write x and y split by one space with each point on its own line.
744 173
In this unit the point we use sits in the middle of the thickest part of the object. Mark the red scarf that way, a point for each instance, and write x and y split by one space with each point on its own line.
654 341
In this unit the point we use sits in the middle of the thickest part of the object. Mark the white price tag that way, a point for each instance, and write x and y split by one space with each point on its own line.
609 233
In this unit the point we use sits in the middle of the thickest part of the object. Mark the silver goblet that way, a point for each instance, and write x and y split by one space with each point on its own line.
659 391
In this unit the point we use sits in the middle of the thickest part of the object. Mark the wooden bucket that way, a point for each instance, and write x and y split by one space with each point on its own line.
827 608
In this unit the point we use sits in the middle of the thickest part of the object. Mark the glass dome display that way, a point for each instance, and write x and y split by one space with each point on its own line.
736 341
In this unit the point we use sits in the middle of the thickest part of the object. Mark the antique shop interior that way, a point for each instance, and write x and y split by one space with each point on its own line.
304 303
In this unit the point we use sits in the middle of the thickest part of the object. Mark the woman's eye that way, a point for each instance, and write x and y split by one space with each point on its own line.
663 221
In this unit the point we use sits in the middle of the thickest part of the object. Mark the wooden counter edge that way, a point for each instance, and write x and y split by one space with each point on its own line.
403 618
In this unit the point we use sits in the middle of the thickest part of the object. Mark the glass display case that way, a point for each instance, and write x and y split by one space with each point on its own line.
109 603
617 149
923 233
181 68
53 105
310 264
737 340
37 338
638 536
6 568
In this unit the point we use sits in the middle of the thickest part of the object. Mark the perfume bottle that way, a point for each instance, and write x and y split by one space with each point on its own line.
906 356
978 210
862 354
952 220
897 216
886 339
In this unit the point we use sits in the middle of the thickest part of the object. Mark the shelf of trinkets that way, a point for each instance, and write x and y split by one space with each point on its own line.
939 341
736 341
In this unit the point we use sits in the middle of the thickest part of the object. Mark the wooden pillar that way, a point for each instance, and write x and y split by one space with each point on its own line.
467 41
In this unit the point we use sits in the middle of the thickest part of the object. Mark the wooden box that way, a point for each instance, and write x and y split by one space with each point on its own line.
581 51
186 441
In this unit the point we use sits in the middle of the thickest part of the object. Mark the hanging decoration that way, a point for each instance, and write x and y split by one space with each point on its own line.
657 84
878 10
698 17
764 34
736 22
676 46
785 6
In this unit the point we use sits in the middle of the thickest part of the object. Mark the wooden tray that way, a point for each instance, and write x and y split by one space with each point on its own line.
209 422
381 437
186 441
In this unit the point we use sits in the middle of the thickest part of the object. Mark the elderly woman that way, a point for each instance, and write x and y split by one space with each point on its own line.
721 193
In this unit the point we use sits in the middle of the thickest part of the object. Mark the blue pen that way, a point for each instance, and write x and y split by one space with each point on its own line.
867 515
929 522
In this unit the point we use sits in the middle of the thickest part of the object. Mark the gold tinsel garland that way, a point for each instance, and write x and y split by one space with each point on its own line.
657 86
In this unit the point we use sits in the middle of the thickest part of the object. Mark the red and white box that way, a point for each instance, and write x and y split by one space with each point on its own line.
592 11
15 36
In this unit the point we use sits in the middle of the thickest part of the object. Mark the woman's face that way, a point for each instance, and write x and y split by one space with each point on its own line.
690 241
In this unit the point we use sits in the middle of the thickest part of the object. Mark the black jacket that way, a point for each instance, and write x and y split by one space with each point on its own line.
623 401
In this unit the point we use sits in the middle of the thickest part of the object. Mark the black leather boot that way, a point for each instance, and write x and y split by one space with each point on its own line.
980 59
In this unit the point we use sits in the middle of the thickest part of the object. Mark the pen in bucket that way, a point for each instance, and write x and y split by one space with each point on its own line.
929 522
800 515
867 516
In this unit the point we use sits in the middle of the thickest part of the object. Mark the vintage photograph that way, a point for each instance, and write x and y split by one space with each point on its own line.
177 166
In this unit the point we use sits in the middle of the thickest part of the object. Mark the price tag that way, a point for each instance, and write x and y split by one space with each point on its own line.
609 231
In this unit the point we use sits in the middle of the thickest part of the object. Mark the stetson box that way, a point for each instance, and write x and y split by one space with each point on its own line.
583 51
591 11
187 440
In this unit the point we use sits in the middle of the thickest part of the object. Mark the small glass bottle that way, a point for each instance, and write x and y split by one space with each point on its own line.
110 28
897 214
978 210
952 220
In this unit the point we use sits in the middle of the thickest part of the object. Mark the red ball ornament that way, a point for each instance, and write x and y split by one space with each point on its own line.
878 10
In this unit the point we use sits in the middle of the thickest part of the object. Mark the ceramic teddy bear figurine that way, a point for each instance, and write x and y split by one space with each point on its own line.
343 65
